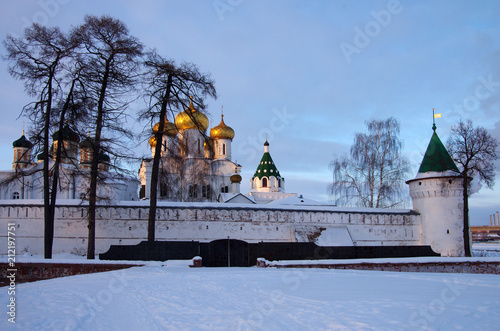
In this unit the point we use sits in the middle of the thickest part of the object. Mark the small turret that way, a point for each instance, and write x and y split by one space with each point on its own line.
267 178
22 153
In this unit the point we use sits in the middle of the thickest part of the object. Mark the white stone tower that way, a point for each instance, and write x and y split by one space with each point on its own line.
436 192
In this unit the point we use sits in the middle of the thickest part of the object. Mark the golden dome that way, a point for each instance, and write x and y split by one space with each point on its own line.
152 141
235 178
191 119
169 128
222 131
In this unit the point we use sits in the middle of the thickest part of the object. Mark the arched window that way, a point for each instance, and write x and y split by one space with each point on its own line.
15 195
279 182
223 149
264 182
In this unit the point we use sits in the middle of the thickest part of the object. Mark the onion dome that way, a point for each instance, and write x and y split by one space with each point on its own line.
169 128
235 178
86 143
152 142
191 119
40 156
103 158
22 142
222 131
67 134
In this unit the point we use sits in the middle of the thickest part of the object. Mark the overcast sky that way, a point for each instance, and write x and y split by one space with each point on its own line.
309 74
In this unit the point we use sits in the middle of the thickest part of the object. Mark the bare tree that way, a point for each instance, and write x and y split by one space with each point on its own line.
374 173
167 88
110 64
474 150
39 60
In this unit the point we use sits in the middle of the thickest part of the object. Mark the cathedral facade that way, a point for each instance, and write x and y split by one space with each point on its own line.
194 166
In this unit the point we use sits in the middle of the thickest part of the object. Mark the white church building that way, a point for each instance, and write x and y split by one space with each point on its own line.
25 179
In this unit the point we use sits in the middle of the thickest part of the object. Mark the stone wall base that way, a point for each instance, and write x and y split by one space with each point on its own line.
444 267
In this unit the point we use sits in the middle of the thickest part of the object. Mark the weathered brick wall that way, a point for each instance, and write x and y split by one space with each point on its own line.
30 272
445 267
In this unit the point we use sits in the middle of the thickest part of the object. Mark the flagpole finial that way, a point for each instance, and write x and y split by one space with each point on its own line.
434 127
434 116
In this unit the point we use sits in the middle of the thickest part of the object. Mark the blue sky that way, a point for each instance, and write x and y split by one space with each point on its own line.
307 73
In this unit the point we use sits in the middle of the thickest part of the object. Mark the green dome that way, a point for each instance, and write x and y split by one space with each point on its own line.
40 156
22 142
103 158
437 158
86 143
67 134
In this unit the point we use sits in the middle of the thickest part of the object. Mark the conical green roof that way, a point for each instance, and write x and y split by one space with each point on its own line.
436 157
266 166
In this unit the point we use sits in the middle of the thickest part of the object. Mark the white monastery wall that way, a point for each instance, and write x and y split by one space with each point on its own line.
127 225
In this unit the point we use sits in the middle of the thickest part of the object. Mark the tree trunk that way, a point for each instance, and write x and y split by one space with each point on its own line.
95 162
55 173
467 247
48 216
156 163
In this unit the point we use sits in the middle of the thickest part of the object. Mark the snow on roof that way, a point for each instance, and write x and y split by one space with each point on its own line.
216 205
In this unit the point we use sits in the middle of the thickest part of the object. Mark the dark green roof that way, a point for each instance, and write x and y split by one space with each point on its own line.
67 134
86 143
22 142
436 157
266 167
40 156
103 158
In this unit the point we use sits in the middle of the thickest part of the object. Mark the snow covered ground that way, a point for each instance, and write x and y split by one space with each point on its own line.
155 297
